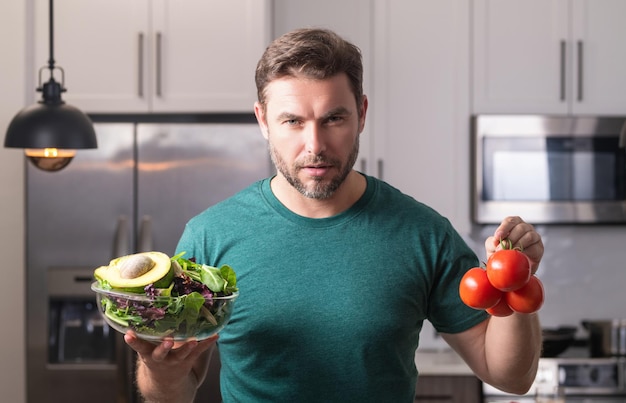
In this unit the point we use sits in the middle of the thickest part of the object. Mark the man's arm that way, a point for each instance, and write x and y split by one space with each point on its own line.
170 372
502 351
505 351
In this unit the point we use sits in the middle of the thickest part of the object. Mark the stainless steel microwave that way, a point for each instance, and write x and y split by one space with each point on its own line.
548 169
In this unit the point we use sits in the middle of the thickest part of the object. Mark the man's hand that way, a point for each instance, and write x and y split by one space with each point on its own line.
170 371
522 235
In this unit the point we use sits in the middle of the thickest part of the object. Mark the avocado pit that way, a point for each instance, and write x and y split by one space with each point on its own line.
135 266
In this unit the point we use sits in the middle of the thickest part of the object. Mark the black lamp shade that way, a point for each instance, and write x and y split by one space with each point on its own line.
51 125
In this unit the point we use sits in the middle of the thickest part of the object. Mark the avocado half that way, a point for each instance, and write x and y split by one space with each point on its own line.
137 271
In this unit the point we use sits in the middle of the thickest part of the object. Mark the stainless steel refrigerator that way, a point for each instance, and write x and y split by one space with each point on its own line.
135 192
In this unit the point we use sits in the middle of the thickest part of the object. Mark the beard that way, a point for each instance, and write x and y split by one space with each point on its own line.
321 188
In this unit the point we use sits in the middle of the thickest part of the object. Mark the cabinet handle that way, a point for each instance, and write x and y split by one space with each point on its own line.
158 64
363 165
140 66
580 71
379 164
562 67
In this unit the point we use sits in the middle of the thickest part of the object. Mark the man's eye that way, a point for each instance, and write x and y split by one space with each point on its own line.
291 122
335 119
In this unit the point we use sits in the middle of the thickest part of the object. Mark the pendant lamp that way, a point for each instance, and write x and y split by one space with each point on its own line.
50 131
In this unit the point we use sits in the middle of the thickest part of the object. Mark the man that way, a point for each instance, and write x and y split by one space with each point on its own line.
337 270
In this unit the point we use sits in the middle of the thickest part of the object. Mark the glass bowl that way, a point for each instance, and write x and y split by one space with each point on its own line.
155 318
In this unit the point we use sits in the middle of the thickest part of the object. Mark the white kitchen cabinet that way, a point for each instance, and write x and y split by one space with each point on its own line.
352 19
600 30
421 102
140 56
549 56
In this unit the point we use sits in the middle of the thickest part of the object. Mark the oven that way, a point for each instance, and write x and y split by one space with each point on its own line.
577 380
567 399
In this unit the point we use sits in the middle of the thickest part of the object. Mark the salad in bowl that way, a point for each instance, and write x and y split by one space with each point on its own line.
161 297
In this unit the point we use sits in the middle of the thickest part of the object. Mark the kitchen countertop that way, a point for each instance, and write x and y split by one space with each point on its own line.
440 362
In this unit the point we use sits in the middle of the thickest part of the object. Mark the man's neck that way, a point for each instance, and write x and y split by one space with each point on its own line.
344 197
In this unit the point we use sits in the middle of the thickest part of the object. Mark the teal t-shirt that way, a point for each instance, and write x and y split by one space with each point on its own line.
330 309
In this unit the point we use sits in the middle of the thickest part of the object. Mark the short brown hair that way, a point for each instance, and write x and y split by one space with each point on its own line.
314 53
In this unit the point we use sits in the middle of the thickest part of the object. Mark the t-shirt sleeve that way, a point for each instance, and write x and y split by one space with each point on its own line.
446 311
190 243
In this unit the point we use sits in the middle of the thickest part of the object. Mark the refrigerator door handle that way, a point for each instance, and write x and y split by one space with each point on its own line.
121 244
124 356
144 243
123 370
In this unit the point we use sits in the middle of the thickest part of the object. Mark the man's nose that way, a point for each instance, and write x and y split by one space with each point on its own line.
315 139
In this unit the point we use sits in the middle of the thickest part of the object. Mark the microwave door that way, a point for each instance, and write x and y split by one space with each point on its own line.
550 170
520 176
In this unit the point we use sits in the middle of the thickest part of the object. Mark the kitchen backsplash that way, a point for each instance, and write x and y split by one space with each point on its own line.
583 271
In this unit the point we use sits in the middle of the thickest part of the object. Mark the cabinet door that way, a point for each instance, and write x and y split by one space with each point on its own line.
205 54
420 106
522 56
600 65
98 43
351 19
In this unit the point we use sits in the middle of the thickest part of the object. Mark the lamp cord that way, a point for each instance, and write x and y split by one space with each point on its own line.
51 27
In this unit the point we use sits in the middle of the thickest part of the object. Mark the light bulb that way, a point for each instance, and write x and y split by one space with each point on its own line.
50 159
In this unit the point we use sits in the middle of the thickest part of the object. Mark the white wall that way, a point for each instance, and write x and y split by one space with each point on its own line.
12 98
584 274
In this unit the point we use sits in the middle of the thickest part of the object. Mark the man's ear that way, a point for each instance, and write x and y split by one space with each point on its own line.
363 114
259 112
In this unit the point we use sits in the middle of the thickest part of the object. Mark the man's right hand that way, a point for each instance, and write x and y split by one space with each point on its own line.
170 371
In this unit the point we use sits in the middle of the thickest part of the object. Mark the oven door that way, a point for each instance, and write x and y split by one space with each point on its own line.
567 399
578 380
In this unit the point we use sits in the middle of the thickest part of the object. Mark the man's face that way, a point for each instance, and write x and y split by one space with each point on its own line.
313 128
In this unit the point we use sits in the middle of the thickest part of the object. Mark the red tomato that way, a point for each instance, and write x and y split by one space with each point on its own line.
508 269
500 309
527 299
476 291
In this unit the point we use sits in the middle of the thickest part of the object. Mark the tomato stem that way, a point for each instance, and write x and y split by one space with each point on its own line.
507 244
